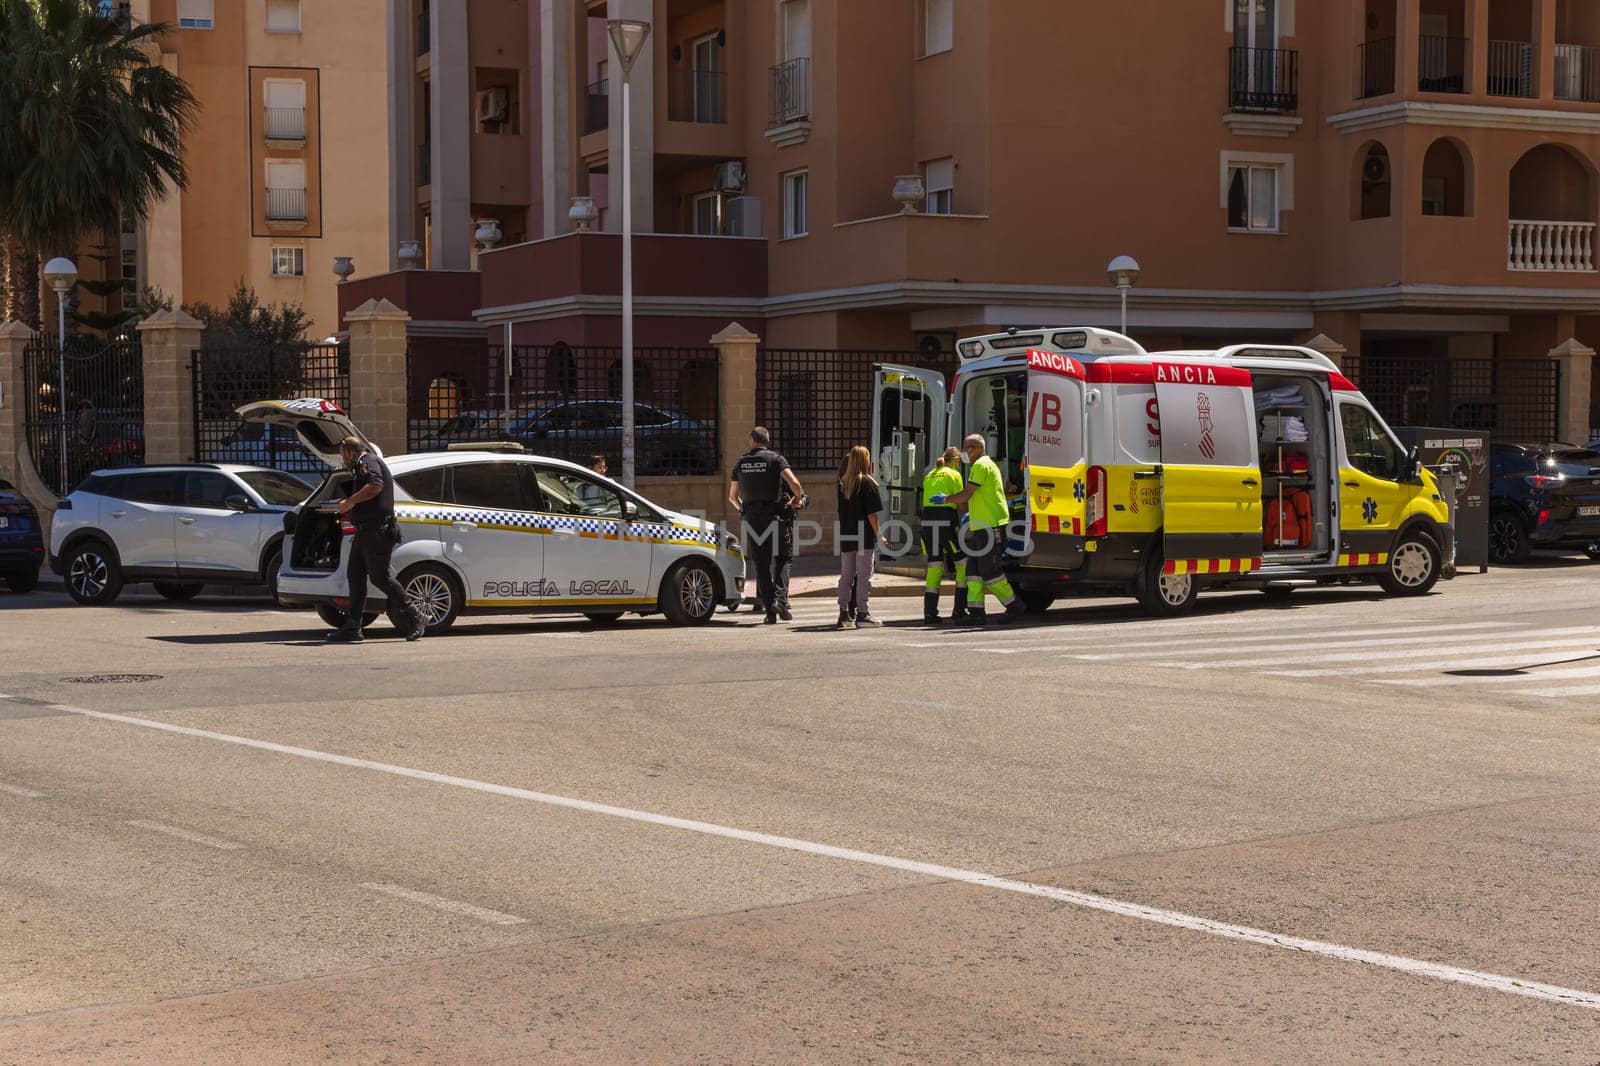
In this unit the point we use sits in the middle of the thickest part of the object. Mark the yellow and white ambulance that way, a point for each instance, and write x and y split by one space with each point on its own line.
1158 474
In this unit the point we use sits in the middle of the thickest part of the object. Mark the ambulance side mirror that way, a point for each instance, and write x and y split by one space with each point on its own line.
1413 467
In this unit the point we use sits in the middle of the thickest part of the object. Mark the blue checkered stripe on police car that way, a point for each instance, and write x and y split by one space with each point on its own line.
650 532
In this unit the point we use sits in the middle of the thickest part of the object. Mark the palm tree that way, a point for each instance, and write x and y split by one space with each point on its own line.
90 129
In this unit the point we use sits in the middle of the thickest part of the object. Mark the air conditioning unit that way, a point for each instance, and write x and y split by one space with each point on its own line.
932 346
1375 171
493 105
728 177
741 216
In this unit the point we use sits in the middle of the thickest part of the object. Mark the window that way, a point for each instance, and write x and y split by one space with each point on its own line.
1369 447
286 108
565 492
1253 198
276 488
283 16
794 205
288 262
150 488
208 490
496 485
286 191
196 14
796 29
708 214
939 179
425 485
938 26
130 277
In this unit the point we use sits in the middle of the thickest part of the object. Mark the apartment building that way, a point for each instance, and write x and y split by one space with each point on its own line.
1413 184
288 160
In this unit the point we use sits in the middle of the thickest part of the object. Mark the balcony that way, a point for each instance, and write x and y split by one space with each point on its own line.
1263 79
286 205
1375 67
1551 247
596 107
424 164
286 124
1511 66
789 93
1442 64
1578 73
699 96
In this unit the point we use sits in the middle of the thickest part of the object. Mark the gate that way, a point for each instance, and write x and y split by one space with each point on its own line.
1514 399
101 423
227 378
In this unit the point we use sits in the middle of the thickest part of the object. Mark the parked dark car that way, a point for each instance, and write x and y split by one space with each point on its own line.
667 442
1542 496
21 541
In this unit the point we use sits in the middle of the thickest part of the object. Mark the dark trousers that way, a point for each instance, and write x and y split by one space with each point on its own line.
772 552
369 560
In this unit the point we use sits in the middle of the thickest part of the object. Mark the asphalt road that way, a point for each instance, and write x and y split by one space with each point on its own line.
1348 829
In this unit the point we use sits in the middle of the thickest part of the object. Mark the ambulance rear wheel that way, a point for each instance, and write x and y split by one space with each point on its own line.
1161 593
1413 567
1035 600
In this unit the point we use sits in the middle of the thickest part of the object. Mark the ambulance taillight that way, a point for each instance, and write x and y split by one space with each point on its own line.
1096 502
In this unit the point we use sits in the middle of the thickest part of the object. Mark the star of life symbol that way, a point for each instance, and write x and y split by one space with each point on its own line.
1078 491
1369 510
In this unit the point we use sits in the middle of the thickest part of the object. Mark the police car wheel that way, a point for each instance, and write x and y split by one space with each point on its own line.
1413 567
689 594
1161 593
336 617
434 592
93 577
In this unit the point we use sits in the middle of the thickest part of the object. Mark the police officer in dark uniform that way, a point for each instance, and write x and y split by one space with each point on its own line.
371 511
757 492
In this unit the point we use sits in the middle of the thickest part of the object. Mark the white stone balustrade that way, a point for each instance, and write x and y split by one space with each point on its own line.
1561 247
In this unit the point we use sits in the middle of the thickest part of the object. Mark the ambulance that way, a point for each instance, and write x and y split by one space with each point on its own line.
1159 474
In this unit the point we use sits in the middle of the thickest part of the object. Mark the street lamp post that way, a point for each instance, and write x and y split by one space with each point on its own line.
62 275
628 37
1123 272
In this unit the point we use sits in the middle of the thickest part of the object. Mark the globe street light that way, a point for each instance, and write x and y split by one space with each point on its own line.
1123 272
628 37
62 274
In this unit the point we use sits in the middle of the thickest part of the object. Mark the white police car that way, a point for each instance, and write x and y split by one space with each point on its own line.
496 530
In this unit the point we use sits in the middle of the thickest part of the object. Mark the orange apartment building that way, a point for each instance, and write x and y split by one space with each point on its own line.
1416 182
288 159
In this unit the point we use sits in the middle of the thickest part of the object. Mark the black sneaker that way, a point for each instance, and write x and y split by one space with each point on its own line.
845 621
345 635
1015 612
786 614
419 626
770 620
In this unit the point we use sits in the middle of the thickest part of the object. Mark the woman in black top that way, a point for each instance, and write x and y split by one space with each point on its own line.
859 504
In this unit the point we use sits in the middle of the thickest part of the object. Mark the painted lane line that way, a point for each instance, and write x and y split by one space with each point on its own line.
18 790
1576 690
1089 901
1398 664
1496 679
186 834
1447 654
453 906
1493 639
1315 634
1028 640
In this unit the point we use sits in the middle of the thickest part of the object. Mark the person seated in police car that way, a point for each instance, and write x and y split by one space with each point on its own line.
371 511
756 490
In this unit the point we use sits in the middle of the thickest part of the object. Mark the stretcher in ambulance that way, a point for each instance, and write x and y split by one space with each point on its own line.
1159 474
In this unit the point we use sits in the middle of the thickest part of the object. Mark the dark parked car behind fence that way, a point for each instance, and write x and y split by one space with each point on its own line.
1543 496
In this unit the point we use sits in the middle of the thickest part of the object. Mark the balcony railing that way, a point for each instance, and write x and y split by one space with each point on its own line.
596 107
1511 68
1442 64
424 164
1375 66
286 123
697 96
1577 73
1557 247
789 92
286 205
424 33
1263 79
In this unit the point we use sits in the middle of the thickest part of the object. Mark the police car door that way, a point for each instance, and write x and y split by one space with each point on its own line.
1210 469
493 534
597 553
908 434
1057 458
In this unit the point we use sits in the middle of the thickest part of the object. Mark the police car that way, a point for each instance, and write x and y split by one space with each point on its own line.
496 530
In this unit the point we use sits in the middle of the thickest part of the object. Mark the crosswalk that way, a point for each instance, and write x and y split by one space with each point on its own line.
1513 658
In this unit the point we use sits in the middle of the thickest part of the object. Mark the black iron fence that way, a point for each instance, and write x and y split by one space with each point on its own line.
1263 79
1514 399
565 401
102 419
818 401
697 96
789 92
1442 64
227 378
1511 68
1375 67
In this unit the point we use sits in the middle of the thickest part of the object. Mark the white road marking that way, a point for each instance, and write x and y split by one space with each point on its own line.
1591 632
186 834
1497 679
18 790
454 906
1576 690
1399 664
1174 919
1276 633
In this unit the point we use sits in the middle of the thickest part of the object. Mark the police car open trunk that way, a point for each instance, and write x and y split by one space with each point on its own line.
319 530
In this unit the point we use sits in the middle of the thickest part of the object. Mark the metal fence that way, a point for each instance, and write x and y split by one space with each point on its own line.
818 401
1375 68
103 416
1513 399
565 401
789 92
227 378
1263 79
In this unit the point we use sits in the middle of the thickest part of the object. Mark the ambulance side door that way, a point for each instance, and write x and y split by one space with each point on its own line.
1057 460
1375 495
908 434
1210 468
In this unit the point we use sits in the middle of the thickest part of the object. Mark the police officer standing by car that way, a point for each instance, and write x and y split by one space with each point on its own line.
371 511
756 491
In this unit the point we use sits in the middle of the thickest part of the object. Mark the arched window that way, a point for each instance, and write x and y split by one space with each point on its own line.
643 382
560 370
1447 179
1374 192
447 395
1552 211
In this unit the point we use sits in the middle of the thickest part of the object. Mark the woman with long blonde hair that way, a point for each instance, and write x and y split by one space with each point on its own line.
859 504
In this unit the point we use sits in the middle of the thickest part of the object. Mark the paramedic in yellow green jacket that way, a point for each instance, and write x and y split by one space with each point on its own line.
941 527
985 539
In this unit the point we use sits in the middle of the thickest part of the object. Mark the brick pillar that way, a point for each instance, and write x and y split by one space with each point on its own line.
1576 361
1329 347
736 390
169 340
14 338
378 373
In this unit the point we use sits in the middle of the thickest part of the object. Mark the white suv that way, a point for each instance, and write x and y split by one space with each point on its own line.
494 530
182 527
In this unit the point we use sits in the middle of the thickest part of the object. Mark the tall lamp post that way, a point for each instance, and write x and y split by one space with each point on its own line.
1123 272
628 37
62 275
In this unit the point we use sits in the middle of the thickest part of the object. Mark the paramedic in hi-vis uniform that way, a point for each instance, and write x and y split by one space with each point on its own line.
988 514
941 530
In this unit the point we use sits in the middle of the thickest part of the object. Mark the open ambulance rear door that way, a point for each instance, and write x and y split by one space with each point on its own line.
908 434
1057 458
1210 469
